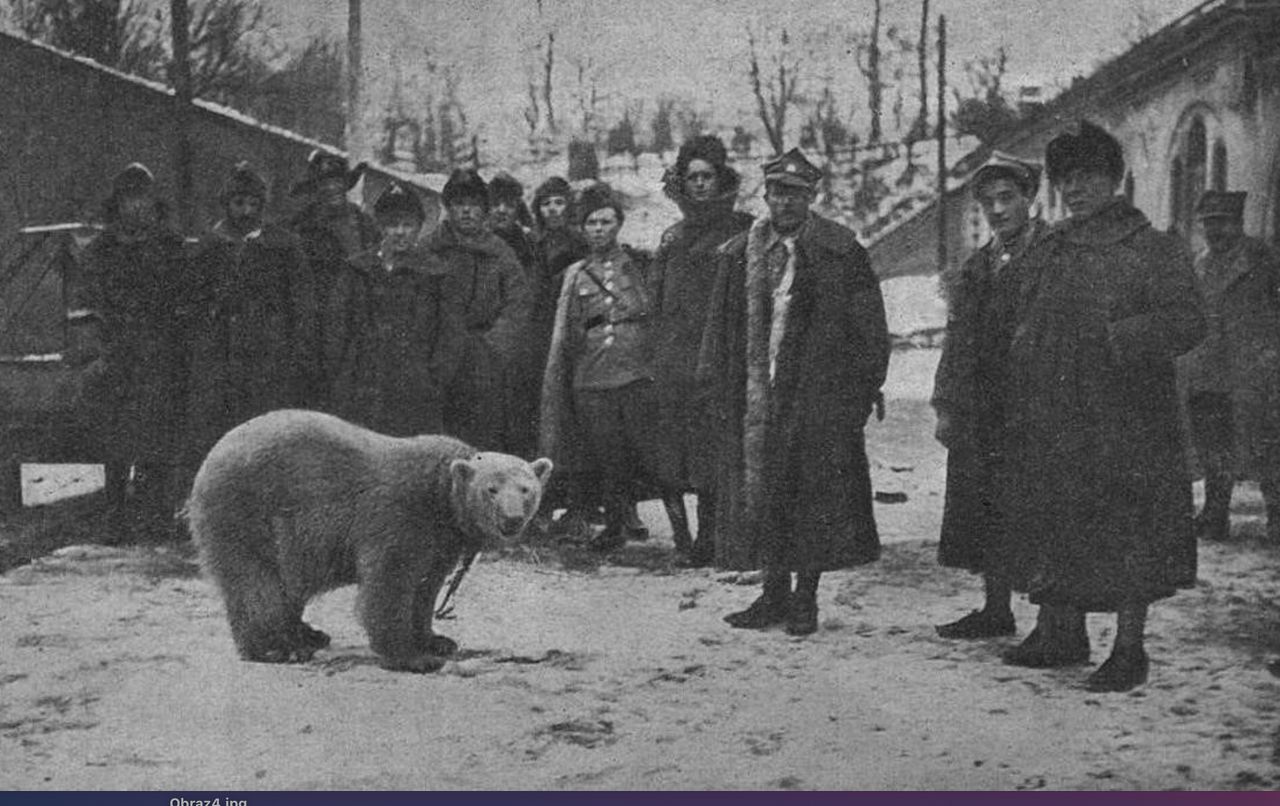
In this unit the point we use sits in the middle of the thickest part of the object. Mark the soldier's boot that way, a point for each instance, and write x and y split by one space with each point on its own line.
1214 520
703 550
674 504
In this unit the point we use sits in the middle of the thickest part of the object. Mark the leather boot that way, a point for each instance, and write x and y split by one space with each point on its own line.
1214 520
674 504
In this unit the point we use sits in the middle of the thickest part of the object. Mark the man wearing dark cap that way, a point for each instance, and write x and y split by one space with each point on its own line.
970 386
1095 494
333 230
485 288
135 294
255 343
392 337
1233 378
792 361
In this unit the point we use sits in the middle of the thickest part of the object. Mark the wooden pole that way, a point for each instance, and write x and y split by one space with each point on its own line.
355 128
180 76
942 143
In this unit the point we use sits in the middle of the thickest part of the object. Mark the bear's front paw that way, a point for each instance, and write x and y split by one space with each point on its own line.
441 645
419 664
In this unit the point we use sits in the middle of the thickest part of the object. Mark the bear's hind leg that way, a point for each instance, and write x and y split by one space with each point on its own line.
264 623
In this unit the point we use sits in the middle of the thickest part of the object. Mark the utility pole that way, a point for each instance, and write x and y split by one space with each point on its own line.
355 126
942 143
180 77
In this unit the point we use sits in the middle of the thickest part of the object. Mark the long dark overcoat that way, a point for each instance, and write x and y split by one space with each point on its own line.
1098 498
487 291
790 455
682 275
141 292
984 299
255 344
392 339
1240 356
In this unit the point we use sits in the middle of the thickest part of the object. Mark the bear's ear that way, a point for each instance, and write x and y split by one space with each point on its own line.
462 470
542 468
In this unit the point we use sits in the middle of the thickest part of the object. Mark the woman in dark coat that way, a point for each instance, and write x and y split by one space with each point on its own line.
390 330
682 275
1098 502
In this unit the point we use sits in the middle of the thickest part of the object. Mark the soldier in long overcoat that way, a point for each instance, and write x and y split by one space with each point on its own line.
1096 493
1232 380
682 275
793 357
333 231
136 291
255 337
485 288
510 220
392 337
983 302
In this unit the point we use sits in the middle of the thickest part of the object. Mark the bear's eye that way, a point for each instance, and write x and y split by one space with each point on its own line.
493 490
524 490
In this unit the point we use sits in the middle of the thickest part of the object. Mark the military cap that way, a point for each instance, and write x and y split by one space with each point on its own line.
134 179
399 199
244 181
792 169
1025 175
323 165
465 183
1090 148
1221 204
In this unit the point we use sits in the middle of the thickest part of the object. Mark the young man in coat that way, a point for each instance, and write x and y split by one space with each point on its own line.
1233 378
792 361
487 291
1095 491
970 386
255 347
135 294
600 413
392 336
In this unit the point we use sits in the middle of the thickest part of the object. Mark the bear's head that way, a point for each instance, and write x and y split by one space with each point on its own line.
500 492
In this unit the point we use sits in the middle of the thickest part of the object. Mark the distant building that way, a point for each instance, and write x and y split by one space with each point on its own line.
1196 106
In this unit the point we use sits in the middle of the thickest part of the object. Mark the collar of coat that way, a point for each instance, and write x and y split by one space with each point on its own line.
1116 222
1218 272
445 238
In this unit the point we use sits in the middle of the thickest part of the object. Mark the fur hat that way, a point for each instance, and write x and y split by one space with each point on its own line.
244 181
505 187
323 165
399 198
709 149
465 183
554 186
597 197
133 180
1090 148
1221 204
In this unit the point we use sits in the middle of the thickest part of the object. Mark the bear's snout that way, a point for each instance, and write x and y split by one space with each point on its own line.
510 525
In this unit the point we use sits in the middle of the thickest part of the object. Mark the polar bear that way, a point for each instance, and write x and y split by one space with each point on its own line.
294 503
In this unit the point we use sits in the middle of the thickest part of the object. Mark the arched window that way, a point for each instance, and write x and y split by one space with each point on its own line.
1187 177
1219 181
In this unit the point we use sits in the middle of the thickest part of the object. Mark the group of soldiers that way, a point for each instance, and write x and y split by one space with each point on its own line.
739 360
1077 355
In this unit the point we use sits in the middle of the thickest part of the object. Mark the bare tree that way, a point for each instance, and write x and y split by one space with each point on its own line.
776 92
869 66
984 113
